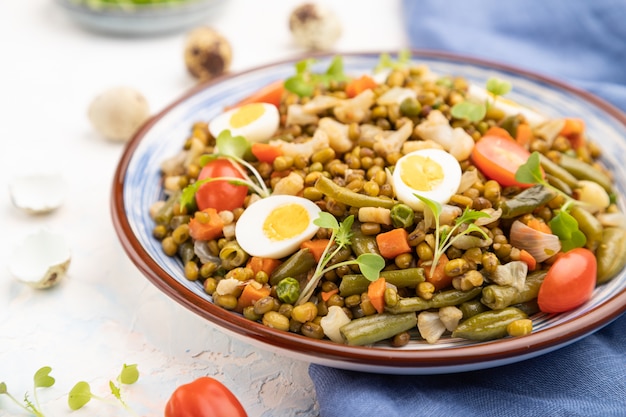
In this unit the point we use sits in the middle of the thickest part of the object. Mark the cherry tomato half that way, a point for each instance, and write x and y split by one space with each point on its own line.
499 158
220 195
569 281
204 397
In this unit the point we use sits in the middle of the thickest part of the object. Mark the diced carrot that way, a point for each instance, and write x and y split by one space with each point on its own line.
376 294
271 93
251 293
574 130
265 152
327 294
316 247
258 263
528 259
498 132
523 134
572 126
393 243
206 225
358 85
438 278
539 225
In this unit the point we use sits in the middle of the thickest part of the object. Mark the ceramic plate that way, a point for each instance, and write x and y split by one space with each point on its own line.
137 185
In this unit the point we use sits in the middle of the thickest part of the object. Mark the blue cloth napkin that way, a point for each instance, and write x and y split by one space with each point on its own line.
579 42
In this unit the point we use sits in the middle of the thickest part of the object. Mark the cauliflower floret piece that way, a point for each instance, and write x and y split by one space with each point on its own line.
355 109
393 141
292 184
456 141
333 321
306 149
337 134
450 316
321 103
396 95
296 115
430 326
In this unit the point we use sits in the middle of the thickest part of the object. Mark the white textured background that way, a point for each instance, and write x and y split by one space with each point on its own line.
106 313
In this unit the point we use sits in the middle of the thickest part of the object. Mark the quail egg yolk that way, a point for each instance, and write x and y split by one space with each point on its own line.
286 222
421 173
245 115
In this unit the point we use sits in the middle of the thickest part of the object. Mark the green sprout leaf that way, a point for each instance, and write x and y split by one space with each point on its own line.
79 395
304 82
340 238
3 388
385 61
530 171
129 374
498 87
42 378
469 110
234 146
370 265
326 220
115 390
444 235
565 226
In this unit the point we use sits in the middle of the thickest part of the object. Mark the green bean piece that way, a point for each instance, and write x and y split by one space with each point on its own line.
611 254
348 197
529 307
402 278
165 214
232 255
288 290
371 329
558 184
471 308
402 216
361 243
498 297
489 325
583 171
440 299
589 225
526 201
296 266
554 170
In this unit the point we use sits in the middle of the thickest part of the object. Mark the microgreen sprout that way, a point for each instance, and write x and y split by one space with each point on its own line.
476 111
234 148
387 62
304 82
370 264
445 236
81 393
41 379
562 224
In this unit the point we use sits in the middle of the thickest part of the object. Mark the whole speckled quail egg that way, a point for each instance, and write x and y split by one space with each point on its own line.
314 26
118 112
208 54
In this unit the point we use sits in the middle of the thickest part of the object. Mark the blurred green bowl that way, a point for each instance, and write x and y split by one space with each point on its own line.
139 17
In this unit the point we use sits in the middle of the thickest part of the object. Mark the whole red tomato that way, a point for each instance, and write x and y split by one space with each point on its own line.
220 195
569 281
204 397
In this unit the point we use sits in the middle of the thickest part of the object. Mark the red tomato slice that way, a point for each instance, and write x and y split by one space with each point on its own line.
499 158
220 195
569 283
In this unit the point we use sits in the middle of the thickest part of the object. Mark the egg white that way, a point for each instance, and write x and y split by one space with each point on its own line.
257 130
509 107
253 239
441 192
